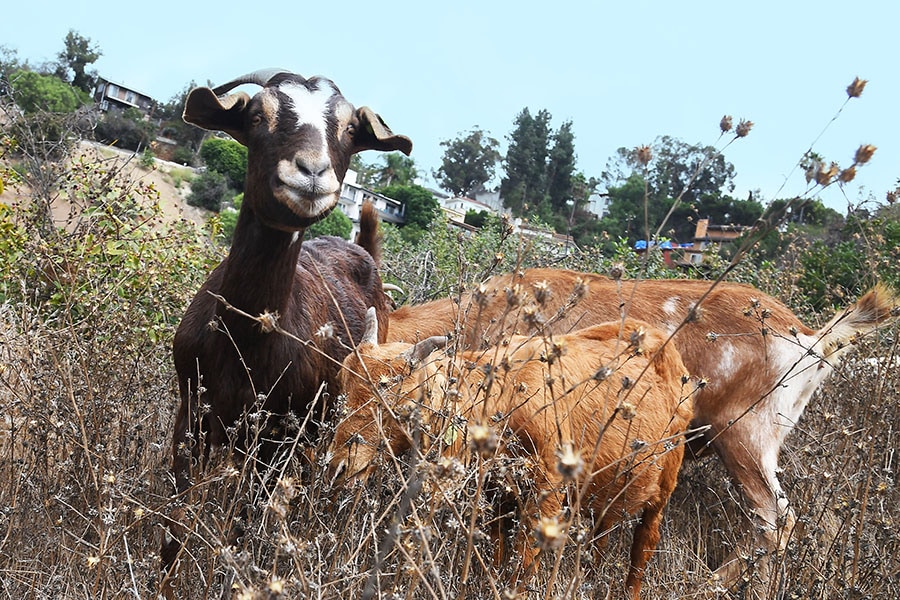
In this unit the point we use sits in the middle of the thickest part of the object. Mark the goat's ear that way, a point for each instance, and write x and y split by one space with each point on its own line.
204 109
374 134
423 348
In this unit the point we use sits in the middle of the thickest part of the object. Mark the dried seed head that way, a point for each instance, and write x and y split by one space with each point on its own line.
532 317
568 462
864 154
580 289
891 197
855 89
325 332
644 155
267 321
847 175
616 271
743 128
712 336
483 439
637 339
557 349
549 533
627 411
603 373
514 296
825 175
276 586
542 292
725 124
685 377
481 295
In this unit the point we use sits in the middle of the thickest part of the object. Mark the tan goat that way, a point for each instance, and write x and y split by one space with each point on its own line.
604 409
760 363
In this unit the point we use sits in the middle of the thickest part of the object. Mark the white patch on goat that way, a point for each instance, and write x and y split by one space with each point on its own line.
310 107
670 306
799 375
725 366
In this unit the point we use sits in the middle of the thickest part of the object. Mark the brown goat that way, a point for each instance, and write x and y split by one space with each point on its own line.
300 134
760 363
611 422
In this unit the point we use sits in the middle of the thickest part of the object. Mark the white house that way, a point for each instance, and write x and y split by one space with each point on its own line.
457 207
353 195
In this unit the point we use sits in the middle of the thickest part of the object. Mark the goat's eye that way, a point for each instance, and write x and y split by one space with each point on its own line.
256 119
351 129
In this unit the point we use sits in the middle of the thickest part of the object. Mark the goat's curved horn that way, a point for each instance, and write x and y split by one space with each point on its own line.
260 78
390 287
371 334
422 349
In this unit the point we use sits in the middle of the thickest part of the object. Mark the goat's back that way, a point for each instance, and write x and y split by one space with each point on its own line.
614 392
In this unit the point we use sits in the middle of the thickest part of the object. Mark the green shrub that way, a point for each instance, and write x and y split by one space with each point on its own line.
209 190
125 129
226 157
336 223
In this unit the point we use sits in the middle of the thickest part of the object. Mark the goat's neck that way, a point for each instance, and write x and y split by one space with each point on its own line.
261 267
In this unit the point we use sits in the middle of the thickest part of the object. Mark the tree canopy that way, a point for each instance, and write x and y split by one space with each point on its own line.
523 187
469 162
74 59
34 92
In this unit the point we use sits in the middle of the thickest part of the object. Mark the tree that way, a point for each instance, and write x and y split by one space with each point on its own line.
698 175
174 127
9 62
365 173
74 59
468 163
227 157
524 187
44 93
398 170
561 168
421 206
336 223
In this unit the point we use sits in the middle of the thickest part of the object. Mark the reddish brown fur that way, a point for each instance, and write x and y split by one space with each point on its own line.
761 364
578 410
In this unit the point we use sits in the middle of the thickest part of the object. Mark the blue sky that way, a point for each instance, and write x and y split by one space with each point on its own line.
624 73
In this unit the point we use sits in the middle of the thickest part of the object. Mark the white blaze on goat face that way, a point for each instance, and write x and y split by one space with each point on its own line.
310 184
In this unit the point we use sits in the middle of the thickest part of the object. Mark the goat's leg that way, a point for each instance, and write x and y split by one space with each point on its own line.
543 530
749 452
643 544
174 532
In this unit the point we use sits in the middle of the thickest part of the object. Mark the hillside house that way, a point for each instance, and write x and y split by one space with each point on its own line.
708 237
114 96
353 195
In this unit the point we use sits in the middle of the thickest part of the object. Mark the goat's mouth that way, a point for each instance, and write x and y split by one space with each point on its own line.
307 195
306 203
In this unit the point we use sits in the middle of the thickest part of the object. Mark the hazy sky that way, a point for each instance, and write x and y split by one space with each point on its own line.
624 73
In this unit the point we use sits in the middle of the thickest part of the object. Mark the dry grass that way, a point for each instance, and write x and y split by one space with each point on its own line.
84 452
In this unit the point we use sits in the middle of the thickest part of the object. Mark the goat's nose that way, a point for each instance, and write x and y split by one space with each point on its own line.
312 167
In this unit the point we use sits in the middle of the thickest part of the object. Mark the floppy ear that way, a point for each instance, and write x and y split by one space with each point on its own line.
374 134
204 109
423 348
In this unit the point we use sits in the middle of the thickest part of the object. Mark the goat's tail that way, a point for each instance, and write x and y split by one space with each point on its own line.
369 236
876 307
